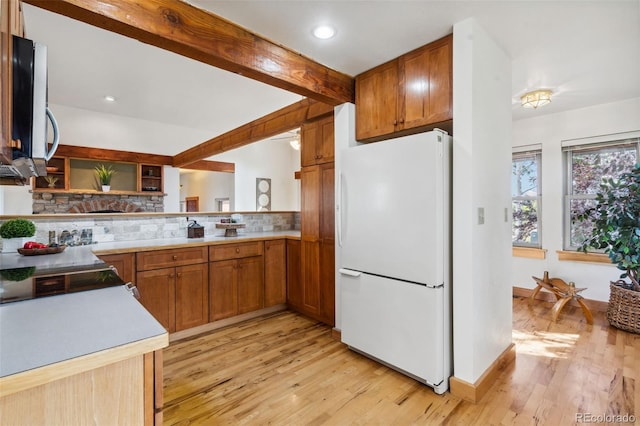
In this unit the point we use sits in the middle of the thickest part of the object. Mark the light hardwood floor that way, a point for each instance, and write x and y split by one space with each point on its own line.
287 370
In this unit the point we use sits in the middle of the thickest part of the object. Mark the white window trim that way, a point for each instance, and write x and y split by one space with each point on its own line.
524 151
584 144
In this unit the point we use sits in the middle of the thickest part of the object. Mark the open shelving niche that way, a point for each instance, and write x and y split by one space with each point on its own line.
77 175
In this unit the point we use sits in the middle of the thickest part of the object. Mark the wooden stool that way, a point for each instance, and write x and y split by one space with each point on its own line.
563 292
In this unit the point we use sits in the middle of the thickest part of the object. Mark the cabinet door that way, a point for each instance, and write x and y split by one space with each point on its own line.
325 147
250 284
310 203
425 85
310 251
327 246
124 263
192 296
157 294
441 82
6 48
377 101
309 139
223 289
327 282
275 269
317 142
327 202
294 282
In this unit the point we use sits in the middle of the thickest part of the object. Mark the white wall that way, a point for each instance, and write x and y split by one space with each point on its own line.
81 127
482 283
15 200
550 130
172 189
274 159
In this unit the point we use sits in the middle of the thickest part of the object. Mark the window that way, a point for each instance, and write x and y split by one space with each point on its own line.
525 195
586 166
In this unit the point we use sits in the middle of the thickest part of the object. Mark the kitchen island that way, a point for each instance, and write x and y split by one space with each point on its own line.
89 357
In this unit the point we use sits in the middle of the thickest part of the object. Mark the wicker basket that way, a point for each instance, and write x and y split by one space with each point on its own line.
624 308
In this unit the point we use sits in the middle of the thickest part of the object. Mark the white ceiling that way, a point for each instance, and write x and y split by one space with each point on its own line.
587 52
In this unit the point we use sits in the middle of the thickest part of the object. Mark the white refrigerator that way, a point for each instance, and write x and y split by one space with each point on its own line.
393 223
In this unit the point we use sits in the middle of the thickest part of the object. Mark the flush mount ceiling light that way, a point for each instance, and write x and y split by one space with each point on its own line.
109 98
324 32
536 99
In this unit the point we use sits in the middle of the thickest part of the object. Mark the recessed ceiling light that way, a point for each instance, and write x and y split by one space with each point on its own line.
109 98
324 32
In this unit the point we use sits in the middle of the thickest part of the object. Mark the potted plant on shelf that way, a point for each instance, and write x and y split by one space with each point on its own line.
616 231
105 173
14 233
51 181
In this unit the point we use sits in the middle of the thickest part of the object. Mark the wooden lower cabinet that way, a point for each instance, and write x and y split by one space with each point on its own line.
192 296
327 305
317 288
294 274
275 273
310 255
176 297
125 264
223 289
157 295
236 286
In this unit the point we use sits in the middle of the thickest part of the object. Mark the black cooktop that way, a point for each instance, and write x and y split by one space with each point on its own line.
29 282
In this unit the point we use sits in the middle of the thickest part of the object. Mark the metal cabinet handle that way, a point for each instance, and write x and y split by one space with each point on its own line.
175 257
237 250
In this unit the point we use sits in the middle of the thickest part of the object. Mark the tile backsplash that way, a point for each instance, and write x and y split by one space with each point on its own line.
148 227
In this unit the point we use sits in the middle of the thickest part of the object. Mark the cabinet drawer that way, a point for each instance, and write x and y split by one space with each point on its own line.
235 251
157 259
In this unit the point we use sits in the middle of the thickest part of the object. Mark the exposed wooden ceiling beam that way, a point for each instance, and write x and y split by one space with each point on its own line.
273 124
212 166
74 151
198 34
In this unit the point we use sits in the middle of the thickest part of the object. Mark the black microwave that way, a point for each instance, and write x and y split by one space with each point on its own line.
30 151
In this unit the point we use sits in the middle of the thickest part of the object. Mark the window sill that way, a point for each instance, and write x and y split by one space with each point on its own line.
528 252
576 256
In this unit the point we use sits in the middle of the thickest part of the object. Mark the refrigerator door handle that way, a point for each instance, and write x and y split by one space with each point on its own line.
339 210
349 272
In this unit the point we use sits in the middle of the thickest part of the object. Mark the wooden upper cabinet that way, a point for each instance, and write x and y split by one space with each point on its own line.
11 22
317 142
406 95
377 101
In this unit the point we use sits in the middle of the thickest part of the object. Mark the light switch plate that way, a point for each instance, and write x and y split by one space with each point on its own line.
480 215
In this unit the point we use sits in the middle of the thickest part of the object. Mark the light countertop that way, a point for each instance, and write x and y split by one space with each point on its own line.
39 332
44 331
71 257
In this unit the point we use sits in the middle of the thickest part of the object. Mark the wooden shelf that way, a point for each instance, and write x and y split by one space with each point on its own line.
96 192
